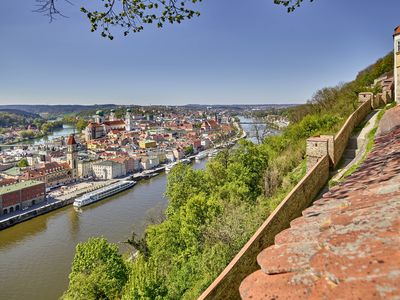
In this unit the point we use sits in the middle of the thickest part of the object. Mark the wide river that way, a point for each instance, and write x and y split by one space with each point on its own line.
36 256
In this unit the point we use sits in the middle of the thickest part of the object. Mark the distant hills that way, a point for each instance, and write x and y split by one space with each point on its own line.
16 117
19 112
55 109
38 109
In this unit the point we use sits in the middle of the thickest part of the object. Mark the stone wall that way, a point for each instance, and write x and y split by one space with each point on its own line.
323 152
334 146
316 148
341 139
226 286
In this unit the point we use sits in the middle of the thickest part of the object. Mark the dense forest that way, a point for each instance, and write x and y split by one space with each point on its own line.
213 212
12 117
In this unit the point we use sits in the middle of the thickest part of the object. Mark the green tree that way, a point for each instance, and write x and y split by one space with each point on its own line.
50 126
189 150
146 281
27 134
132 15
183 182
81 124
98 271
23 163
291 5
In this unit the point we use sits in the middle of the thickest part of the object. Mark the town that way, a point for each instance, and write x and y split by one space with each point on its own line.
108 149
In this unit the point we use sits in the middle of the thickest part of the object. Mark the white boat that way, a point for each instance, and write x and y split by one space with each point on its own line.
103 192
150 175
169 167
185 161
213 153
201 155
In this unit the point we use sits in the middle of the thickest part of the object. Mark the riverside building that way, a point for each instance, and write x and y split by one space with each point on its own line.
17 196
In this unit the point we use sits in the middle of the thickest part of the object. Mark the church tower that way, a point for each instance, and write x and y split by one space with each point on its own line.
99 117
396 38
112 115
128 120
72 153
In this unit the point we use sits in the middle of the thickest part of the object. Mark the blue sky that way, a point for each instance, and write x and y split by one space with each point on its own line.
237 51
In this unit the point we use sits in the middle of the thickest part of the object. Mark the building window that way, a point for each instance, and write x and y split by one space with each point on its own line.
398 46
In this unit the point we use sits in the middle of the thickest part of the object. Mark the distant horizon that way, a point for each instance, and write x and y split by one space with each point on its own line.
127 104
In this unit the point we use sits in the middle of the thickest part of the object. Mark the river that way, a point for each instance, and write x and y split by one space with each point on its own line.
56 133
36 256
251 129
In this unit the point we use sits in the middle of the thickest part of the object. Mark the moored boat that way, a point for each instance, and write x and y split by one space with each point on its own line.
201 155
169 167
213 153
103 192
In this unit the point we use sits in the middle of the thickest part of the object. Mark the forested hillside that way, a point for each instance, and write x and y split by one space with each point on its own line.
55 109
13 117
213 212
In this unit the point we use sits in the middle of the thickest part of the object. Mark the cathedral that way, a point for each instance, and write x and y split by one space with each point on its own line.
100 127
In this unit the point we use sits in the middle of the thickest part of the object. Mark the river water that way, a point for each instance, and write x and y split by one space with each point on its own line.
65 132
251 129
36 255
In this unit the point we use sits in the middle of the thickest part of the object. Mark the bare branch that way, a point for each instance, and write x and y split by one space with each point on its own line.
49 9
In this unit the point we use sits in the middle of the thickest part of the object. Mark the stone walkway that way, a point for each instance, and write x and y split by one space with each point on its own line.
345 246
357 146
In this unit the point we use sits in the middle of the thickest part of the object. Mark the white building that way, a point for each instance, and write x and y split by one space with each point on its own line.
112 115
206 143
108 169
128 120
169 155
85 167
150 162
396 38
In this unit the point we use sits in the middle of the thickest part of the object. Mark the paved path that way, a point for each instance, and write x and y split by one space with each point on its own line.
28 209
358 142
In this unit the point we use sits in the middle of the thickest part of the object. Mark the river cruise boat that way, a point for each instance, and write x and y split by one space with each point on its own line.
213 153
169 167
103 192
201 155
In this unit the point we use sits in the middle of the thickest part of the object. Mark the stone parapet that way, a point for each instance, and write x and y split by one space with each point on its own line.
365 96
342 138
335 146
227 284
316 149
